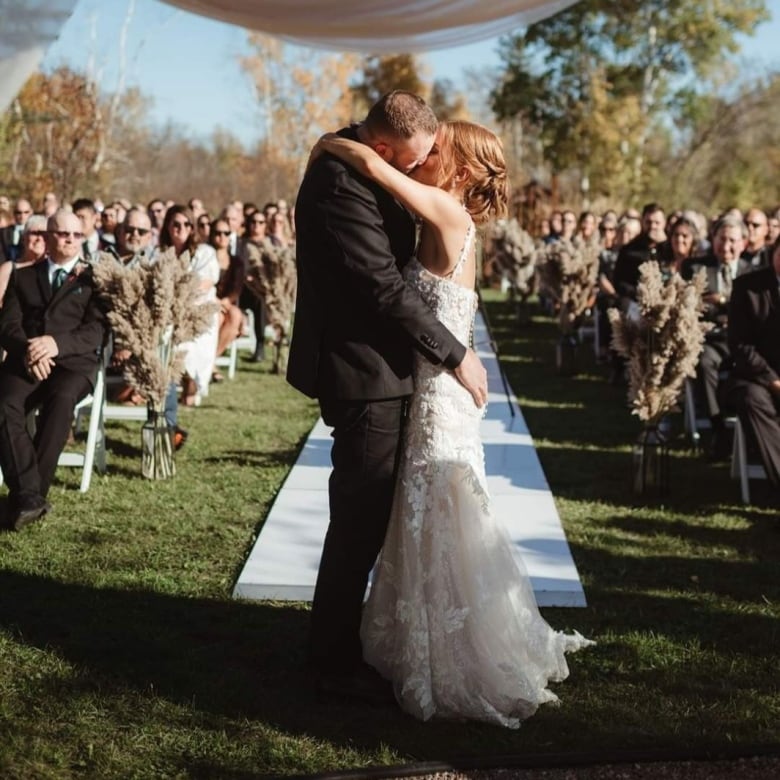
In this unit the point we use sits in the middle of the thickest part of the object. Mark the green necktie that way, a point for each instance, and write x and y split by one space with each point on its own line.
59 279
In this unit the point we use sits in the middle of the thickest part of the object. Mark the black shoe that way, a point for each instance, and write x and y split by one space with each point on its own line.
258 357
28 510
364 684
720 446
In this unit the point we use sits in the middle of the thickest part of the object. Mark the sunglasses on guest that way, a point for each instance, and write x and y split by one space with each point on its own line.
68 234
133 229
222 233
181 225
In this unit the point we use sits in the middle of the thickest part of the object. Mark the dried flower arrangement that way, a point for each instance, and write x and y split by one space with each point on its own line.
153 308
662 341
272 276
511 251
567 273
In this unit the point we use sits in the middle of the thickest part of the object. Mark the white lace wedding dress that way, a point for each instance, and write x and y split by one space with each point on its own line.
451 619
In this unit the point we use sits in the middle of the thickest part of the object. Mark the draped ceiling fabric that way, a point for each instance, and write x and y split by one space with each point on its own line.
27 27
372 26
378 26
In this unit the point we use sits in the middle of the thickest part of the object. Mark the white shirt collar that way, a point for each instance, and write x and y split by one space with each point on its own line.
69 266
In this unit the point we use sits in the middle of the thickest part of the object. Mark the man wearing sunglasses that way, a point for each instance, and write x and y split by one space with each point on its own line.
52 329
11 236
134 237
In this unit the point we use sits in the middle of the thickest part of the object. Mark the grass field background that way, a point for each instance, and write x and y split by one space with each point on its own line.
122 654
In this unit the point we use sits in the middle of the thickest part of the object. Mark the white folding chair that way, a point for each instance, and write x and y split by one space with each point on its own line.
248 342
94 455
740 468
691 421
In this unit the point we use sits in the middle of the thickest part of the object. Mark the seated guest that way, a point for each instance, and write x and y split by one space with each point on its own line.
52 328
606 297
87 213
177 234
109 222
202 228
756 251
250 250
11 235
683 242
50 204
723 266
134 237
773 229
754 339
650 244
33 249
229 286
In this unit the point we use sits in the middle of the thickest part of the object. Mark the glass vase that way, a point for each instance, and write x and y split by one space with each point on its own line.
157 447
650 460
566 355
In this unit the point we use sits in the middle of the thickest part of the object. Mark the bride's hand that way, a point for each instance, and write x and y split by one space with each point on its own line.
319 148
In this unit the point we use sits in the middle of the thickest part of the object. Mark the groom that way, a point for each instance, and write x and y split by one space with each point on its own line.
357 325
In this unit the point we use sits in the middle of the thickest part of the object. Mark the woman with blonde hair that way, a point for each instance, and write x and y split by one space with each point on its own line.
33 250
451 618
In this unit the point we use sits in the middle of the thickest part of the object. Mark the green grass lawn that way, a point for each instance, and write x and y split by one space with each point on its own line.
123 655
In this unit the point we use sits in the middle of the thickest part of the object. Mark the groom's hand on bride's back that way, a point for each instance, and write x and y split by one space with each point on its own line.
472 375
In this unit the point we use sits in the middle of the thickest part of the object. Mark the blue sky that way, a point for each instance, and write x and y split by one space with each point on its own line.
189 65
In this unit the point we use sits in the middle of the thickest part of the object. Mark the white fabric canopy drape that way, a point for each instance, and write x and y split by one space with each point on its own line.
27 27
378 26
375 26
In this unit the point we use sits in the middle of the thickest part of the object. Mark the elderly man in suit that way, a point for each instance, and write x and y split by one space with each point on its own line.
52 329
723 266
754 338
357 325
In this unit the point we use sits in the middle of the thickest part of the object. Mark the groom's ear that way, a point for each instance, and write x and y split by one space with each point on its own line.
384 151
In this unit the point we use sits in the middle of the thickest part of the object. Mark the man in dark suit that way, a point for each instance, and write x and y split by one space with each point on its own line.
52 330
11 235
650 244
356 327
723 266
754 338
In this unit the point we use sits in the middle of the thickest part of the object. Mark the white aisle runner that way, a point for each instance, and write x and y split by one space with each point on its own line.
284 560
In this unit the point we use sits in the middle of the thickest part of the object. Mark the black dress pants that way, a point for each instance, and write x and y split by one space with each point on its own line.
29 464
366 444
713 356
248 300
758 412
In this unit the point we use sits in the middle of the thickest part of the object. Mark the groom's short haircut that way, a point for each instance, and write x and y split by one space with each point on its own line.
400 114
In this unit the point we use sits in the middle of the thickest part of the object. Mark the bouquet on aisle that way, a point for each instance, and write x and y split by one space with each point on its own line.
272 276
153 308
510 253
567 274
661 338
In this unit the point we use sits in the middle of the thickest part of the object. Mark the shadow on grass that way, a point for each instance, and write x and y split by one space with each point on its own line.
240 660
254 458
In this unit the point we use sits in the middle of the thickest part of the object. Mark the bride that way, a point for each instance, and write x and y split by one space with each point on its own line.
451 618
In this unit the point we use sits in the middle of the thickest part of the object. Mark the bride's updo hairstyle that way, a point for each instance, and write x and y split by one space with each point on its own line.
469 146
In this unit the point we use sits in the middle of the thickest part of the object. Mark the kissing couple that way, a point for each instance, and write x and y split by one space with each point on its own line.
381 339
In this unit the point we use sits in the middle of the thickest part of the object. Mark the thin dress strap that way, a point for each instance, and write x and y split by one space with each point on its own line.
464 252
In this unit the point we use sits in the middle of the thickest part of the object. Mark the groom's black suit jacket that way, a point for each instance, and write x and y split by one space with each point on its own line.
70 315
356 321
